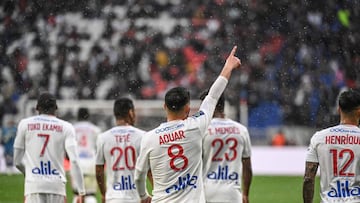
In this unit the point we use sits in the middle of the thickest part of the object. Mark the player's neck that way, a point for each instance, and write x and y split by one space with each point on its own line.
122 122
174 116
218 114
349 121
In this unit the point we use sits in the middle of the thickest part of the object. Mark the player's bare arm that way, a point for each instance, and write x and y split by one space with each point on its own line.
231 63
100 178
246 177
309 181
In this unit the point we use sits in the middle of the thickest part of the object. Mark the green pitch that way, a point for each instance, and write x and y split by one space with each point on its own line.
269 189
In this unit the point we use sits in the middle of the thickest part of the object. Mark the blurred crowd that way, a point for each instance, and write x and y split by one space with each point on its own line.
296 55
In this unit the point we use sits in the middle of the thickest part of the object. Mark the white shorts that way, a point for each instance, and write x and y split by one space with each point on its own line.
87 199
44 198
122 201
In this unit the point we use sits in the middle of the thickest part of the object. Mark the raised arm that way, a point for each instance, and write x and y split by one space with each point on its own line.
232 62
218 87
309 181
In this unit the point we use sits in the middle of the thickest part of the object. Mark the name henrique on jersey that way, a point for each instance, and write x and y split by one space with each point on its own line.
45 139
337 150
118 149
225 144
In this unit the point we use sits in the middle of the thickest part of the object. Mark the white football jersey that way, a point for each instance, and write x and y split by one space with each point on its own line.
86 134
118 149
337 150
174 150
225 144
45 139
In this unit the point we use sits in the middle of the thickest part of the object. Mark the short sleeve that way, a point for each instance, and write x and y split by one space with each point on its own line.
20 135
70 136
142 163
311 154
247 144
99 157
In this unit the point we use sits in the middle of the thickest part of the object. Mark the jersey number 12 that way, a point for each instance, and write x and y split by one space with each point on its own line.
340 154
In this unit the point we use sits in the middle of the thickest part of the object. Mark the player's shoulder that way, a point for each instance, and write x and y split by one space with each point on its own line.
65 123
137 130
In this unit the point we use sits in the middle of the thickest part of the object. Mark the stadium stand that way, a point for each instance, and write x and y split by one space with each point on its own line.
296 55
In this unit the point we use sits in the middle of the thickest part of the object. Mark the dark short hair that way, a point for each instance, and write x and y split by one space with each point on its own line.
83 114
122 107
176 98
220 106
46 103
349 100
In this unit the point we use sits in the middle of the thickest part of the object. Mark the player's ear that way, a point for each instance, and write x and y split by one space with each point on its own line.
187 108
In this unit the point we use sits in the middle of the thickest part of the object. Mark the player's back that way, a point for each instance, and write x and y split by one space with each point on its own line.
338 152
119 148
86 134
175 159
225 144
45 138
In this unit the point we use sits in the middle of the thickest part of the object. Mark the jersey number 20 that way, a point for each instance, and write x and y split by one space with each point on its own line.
129 155
337 155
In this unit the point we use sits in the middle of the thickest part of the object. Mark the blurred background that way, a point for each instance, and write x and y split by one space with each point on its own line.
296 57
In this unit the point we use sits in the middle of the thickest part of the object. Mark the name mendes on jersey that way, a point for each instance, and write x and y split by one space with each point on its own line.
45 127
45 169
125 183
223 130
343 189
182 183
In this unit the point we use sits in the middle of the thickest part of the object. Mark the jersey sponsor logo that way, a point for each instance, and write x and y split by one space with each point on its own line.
198 114
171 137
121 131
183 182
222 173
342 189
126 183
341 130
85 154
45 169
169 128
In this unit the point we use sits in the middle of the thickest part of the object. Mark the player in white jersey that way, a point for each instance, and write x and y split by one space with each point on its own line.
86 134
118 148
226 158
40 146
337 151
173 151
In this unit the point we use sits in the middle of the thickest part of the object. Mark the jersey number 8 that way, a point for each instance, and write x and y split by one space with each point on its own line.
177 154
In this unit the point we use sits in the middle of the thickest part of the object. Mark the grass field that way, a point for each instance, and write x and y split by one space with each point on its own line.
264 189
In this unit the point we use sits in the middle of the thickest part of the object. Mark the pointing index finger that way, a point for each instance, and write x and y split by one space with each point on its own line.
233 51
